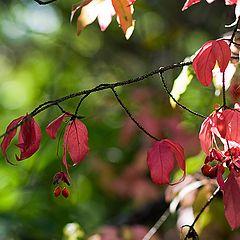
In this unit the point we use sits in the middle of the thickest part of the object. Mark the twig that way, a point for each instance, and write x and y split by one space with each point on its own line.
179 104
99 88
44 3
131 116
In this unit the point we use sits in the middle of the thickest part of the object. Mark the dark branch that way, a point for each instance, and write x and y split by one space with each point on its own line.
179 104
99 88
131 116
44 3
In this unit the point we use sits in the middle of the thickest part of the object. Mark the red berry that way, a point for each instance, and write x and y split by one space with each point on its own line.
209 171
57 191
65 192
206 170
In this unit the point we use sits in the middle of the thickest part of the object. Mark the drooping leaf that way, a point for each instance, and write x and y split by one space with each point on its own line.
76 141
228 125
231 196
124 12
92 9
78 6
205 134
8 138
162 159
222 53
205 60
53 127
231 2
28 139
189 3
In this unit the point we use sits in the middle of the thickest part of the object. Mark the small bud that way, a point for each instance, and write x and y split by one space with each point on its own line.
60 177
65 192
57 191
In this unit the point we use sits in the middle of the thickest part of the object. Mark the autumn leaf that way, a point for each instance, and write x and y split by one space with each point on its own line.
189 3
76 140
205 60
8 138
124 12
228 124
53 127
231 196
28 139
104 10
206 134
162 159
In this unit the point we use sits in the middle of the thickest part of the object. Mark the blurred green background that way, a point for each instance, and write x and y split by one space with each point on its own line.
42 58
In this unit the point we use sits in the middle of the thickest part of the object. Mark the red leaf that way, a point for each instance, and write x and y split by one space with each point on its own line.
189 3
28 139
76 141
205 60
231 2
53 127
8 138
222 53
205 134
228 125
231 196
162 158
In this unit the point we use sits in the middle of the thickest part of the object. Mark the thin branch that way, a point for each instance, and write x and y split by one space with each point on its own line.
191 227
99 88
179 104
44 3
80 102
131 116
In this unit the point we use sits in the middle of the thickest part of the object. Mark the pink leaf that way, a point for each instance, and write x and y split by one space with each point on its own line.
189 3
28 139
222 54
231 196
8 138
205 134
53 127
205 60
228 125
76 140
162 159
231 2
